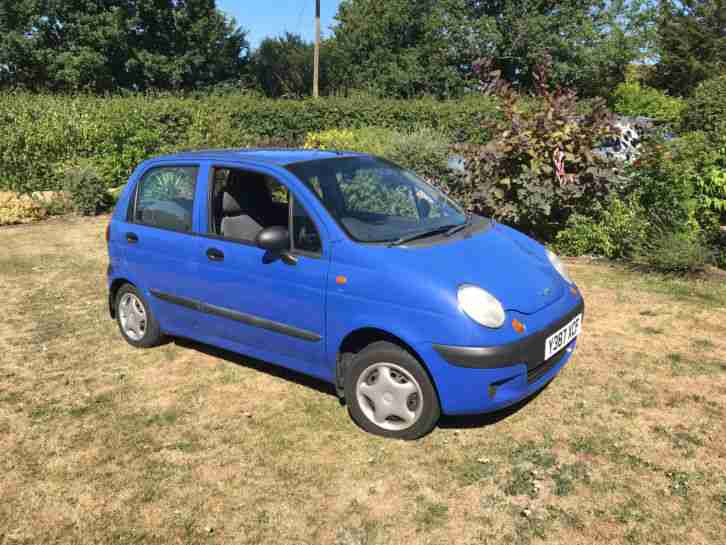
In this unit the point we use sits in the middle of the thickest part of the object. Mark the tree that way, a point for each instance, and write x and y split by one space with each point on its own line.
404 48
691 40
589 42
414 47
284 66
104 45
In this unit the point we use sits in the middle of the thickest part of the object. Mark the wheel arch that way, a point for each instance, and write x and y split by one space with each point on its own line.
359 338
113 290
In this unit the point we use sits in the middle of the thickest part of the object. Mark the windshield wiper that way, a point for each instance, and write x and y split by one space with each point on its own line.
420 234
456 228
446 229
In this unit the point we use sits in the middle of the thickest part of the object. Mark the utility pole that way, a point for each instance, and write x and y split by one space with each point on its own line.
316 69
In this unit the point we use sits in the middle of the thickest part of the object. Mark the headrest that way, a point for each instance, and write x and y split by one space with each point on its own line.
245 194
231 204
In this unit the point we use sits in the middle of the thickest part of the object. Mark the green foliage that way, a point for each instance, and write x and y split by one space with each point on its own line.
711 187
119 132
403 48
719 249
396 48
374 140
619 229
411 48
293 120
682 181
282 66
426 152
590 43
666 190
102 45
633 99
706 109
681 185
680 251
691 43
84 188
540 169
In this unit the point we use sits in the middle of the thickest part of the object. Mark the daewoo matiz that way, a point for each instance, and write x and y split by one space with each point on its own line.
345 267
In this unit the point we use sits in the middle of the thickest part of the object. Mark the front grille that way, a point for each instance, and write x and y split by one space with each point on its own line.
536 373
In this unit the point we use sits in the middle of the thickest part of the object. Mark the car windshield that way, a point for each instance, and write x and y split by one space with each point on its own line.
377 201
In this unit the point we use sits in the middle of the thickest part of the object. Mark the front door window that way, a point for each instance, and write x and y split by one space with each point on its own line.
245 202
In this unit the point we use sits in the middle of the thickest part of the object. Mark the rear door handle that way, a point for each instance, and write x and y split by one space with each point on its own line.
215 255
132 238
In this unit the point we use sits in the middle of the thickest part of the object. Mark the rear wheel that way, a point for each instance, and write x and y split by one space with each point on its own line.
135 320
389 393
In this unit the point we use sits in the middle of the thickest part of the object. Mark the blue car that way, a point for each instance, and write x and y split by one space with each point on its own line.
345 267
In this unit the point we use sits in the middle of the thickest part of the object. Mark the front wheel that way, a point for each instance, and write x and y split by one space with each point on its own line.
389 393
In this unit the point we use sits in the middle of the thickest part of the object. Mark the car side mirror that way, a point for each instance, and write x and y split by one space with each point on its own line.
273 239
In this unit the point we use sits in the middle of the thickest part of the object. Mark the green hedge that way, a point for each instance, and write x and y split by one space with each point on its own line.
633 99
706 108
116 133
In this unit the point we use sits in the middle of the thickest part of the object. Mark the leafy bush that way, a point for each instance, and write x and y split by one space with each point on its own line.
680 251
539 168
666 191
373 140
706 108
118 132
85 190
682 186
617 230
633 99
719 246
426 152
682 181
711 186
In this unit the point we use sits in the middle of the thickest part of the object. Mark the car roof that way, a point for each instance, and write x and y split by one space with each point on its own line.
278 156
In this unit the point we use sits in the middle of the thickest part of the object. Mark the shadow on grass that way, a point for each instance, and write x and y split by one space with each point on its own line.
446 422
258 365
488 419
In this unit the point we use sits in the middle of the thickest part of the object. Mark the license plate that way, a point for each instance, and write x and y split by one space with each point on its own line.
557 341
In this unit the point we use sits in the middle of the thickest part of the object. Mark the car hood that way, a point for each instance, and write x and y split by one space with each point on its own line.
507 264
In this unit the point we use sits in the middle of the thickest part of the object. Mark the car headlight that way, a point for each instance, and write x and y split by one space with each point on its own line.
481 306
559 266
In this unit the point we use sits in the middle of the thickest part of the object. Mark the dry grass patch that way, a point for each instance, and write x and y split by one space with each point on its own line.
188 444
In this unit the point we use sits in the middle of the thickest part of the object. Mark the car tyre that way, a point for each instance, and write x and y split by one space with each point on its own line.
135 320
389 393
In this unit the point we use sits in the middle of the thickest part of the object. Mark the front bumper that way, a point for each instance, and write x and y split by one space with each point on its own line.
528 350
472 380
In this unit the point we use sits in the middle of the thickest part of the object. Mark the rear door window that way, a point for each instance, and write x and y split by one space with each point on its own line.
165 198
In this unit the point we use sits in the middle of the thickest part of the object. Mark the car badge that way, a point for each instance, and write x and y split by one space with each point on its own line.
546 292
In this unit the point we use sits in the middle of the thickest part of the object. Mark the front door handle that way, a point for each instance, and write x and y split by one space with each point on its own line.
132 238
215 255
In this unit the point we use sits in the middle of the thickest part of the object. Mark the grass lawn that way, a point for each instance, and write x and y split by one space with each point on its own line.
101 443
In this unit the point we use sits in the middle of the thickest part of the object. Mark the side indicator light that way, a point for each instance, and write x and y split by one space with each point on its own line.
573 290
518 326
341 280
